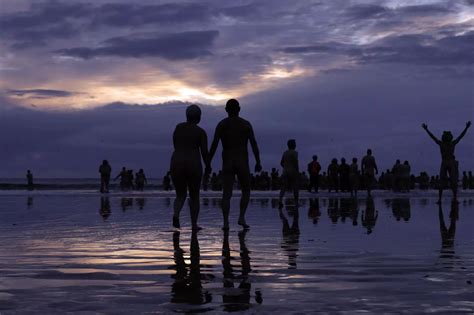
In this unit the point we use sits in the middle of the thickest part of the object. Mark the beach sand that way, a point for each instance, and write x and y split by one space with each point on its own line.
85 252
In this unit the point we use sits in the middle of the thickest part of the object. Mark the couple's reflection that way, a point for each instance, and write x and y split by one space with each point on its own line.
448 234
187 286
291 236
237 299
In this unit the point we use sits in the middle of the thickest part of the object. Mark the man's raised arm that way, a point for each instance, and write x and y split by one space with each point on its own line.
256 152
425 126
463 133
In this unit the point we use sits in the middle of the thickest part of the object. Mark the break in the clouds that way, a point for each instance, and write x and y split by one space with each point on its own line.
208 51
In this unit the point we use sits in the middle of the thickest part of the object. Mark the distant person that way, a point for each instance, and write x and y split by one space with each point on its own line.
448 162
140 180
190 145
465 181
354 177
123 178
275 179
405 175
333 176
313 170
290 174
397 177
235 134
105 171
369 169
471 180
344 171
167 182
129 180
29 179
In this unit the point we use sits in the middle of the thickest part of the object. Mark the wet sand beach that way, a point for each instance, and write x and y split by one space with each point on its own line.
85 252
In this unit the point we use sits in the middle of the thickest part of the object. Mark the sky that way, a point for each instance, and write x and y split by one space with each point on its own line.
81 81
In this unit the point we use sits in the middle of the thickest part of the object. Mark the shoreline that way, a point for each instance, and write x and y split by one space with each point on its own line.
236 193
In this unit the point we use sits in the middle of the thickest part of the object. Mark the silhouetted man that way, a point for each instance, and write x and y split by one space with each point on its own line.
344 171
290 175
369 169
448 162
105 170
29 179
313 169
123 178
235 133
140 180
354 177
333 176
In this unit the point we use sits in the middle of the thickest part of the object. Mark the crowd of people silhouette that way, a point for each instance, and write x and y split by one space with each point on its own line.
190 143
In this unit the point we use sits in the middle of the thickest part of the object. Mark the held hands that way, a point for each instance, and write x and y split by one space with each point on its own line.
258 168
208 170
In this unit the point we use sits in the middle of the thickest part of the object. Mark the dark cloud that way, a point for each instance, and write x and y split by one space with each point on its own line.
374 11
175 46
425 9
44 21
421 50
365 11
415 49
128 14
40 93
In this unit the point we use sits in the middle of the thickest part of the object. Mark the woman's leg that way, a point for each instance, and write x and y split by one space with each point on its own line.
179 182
194 202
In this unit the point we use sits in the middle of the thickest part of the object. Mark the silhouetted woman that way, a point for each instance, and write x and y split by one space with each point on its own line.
190 144
447 145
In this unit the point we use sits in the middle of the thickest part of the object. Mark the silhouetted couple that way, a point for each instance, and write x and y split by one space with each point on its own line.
190 146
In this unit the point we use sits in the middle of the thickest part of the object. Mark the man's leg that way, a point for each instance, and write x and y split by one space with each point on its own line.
243 175
227 186
316 183
296 190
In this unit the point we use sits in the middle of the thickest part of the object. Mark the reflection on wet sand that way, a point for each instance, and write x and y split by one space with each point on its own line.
136 263
29 202
401 209
187 286
369 216
447 252
105 209
126 203
291 235
237 299
313 212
